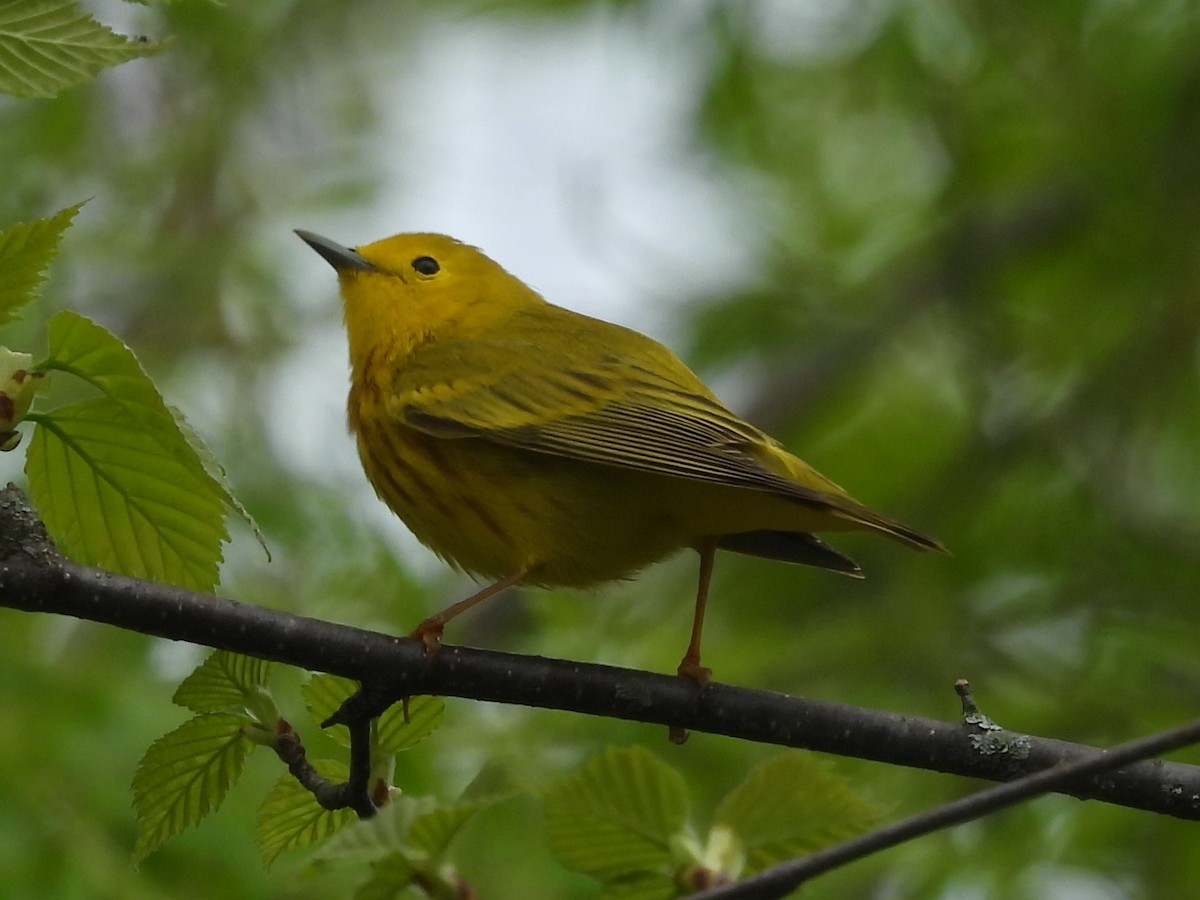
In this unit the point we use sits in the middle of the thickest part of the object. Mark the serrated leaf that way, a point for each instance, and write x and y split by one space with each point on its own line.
112 495
91 352
47 46
791 805
617 814
405 838
324 694
290 818
216 472
425 715
26 249
385 832
222 683
184 776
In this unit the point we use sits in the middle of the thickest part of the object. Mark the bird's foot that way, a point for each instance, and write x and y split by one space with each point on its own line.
429 633
692 670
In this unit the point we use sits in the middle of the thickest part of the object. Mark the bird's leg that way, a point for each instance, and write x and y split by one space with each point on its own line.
689 666
430 631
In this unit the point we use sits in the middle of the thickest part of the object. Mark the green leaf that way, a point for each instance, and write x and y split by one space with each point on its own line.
91 352
432 832
491 784
223 682
407 838
393 734
47 46
291 818
90 473
324 694
113 495
26 249
216 472
386 832
390 877
791 805
617 815
644 886
185 775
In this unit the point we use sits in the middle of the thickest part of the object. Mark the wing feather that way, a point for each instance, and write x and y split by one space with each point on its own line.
556 383
593 404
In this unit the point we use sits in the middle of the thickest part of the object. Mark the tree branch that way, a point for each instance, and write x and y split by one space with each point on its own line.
34 578
351 794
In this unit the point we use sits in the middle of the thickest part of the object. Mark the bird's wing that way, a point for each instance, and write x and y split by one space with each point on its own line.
593 402
584 389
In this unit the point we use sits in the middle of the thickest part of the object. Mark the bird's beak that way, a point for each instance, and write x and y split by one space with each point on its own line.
334 253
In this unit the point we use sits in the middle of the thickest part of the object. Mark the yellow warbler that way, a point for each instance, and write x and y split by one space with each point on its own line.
529 444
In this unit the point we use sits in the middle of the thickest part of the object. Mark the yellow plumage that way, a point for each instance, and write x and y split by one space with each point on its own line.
526 443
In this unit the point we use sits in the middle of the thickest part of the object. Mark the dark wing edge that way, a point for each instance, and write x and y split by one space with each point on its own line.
790 546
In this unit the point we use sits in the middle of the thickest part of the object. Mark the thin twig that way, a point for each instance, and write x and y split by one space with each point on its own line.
358 786
779 881
290 749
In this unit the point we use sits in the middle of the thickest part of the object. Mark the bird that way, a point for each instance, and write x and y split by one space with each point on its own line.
528 444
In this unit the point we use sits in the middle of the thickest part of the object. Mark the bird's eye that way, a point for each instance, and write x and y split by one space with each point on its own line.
426 265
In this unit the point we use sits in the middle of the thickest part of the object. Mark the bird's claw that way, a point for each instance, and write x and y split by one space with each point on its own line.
429 633
693 671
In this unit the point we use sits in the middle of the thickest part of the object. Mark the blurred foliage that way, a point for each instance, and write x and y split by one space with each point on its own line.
972 298
623 817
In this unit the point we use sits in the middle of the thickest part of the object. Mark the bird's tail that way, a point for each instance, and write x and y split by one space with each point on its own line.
864 517
790 546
